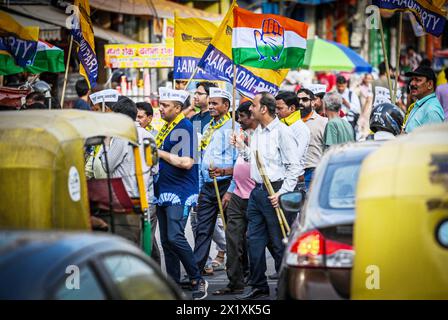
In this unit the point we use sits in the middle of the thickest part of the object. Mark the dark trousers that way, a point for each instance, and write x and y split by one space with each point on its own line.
172 221
155 252
263 228
206 218
237 261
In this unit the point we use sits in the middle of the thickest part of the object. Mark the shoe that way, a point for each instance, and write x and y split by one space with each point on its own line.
227 290
273 276
201 290
253 294
186 285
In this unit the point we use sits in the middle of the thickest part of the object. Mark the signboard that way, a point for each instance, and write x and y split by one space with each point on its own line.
149 55
382 95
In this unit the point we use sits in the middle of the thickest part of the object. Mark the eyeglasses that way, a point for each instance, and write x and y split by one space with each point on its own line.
304 99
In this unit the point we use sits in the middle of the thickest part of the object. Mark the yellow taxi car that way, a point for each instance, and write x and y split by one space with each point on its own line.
401 226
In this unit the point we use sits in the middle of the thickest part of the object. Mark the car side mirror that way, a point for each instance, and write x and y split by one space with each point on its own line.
292 201
151 153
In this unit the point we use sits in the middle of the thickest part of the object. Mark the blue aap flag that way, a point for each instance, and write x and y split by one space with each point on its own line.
430 17
23 51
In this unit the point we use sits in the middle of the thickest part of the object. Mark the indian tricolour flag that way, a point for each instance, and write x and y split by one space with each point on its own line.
49 58
267 41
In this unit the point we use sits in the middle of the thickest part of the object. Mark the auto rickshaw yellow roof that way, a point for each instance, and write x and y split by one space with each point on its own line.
66 125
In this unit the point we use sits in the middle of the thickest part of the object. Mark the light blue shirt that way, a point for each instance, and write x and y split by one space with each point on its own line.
219 151
426 111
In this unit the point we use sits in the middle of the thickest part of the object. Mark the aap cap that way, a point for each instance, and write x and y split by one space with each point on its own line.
316 88
220 93
167 94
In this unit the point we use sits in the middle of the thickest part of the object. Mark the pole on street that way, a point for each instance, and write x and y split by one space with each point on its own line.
66 71
234 98
397 73
386 60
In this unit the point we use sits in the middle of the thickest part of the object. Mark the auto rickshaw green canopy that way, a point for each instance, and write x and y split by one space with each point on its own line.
42 179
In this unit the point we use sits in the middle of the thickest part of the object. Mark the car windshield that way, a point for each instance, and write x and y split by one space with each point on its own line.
339 186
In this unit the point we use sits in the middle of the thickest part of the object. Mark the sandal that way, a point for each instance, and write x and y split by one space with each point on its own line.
227 290
218 263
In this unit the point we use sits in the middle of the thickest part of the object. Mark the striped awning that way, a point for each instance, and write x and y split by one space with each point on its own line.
155 8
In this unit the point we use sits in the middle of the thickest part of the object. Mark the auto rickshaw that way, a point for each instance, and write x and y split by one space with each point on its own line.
42 178
401 226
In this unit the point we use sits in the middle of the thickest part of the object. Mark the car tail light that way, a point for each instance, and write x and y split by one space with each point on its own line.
311 249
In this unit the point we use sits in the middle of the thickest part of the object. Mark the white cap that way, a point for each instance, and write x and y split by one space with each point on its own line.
220 93
316 88
167 94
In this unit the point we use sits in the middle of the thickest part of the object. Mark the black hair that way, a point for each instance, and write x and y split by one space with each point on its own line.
37 105
184 105
244 108
36 97
268 100
145 106
288 97
308 92
382 68
207 85
425 63
126 106
82 87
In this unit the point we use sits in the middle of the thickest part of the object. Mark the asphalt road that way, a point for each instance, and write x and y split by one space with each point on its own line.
219 278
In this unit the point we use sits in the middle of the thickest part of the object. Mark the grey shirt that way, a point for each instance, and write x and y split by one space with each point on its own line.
316 124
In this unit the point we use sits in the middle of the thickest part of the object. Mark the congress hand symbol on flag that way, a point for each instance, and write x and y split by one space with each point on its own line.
270 42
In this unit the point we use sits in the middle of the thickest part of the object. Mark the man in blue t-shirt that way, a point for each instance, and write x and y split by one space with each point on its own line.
83 91
176 188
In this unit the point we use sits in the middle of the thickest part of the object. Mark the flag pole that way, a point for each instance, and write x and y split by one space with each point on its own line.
400 29
218 199
386 60
234 98
66 71
192 76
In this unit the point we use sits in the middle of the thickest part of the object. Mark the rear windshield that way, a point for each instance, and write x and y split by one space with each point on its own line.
339 186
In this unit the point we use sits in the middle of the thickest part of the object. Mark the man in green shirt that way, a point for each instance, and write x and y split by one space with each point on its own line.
337 130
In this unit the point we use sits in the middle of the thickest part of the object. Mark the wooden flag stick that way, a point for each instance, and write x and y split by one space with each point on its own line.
400 28
66 71
192 76
386 60
280 215
234 98
218 198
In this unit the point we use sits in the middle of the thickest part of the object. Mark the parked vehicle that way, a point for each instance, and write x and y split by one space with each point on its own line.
319 255
401 231
43 184
42 265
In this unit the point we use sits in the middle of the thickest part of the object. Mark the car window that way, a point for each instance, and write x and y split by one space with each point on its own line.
135 279
339 186
88 289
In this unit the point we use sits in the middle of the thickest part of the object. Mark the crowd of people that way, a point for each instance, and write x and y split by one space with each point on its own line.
205 158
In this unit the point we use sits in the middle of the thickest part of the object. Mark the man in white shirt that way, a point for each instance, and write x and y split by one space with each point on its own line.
277 148
350 101
289 113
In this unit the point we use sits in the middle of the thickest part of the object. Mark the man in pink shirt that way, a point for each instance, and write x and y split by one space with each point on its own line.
236 200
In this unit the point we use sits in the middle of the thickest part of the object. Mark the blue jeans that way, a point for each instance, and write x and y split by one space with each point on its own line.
172 221
309 173
262 228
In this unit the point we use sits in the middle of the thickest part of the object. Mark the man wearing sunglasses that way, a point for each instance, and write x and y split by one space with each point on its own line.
316 124
288 112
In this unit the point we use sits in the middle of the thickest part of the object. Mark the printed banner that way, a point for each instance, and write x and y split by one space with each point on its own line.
431 18
147 55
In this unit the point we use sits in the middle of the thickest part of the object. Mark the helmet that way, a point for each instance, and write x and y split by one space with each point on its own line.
42 87
386 117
